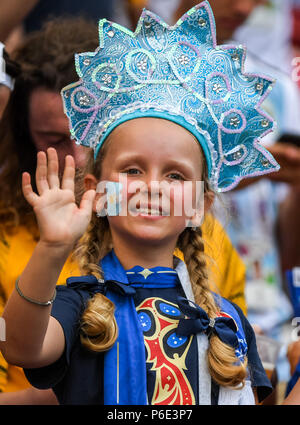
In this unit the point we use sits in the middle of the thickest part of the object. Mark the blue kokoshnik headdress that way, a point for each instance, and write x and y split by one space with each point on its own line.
176 73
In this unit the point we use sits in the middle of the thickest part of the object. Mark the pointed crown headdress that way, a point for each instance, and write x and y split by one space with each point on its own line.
178 73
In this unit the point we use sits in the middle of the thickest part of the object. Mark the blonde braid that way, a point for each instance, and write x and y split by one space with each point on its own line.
89 251
191 244
222 362
99 328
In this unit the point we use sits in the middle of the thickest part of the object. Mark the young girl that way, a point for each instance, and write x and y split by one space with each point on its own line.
140 326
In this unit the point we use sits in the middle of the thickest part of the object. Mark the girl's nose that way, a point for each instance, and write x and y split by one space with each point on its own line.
152 183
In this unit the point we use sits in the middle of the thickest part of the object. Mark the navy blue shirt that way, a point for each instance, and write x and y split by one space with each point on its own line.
77 377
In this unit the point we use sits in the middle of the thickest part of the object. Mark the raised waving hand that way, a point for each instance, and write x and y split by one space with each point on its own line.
60 220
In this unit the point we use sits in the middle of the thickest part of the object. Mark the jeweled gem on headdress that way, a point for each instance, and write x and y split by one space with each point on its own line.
217 87
235 56
184 59
264 123
237 155
110 33
265 162
106 79
202 22
259 86
84 100
235 121
87 62
142 65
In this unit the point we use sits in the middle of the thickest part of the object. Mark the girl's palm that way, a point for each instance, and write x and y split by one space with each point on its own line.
60 220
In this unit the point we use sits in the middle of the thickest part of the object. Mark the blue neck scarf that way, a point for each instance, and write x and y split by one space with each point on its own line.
125 363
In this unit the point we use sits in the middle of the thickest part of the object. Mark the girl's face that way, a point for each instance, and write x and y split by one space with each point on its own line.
158 163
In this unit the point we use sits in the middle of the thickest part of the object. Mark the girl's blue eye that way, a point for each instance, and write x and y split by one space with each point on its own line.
175 176
133 171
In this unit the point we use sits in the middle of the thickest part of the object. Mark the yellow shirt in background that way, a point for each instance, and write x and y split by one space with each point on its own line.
226 268
15 252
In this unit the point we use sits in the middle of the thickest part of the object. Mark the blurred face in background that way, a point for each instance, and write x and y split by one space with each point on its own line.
49 127
230 14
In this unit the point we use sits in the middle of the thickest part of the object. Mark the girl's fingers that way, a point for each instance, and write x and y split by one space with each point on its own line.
41 173
28 193
52 174
69 174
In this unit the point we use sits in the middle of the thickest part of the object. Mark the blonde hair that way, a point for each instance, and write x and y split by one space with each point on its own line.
98 324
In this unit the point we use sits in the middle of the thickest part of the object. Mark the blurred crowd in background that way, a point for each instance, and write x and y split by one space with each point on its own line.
261 217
